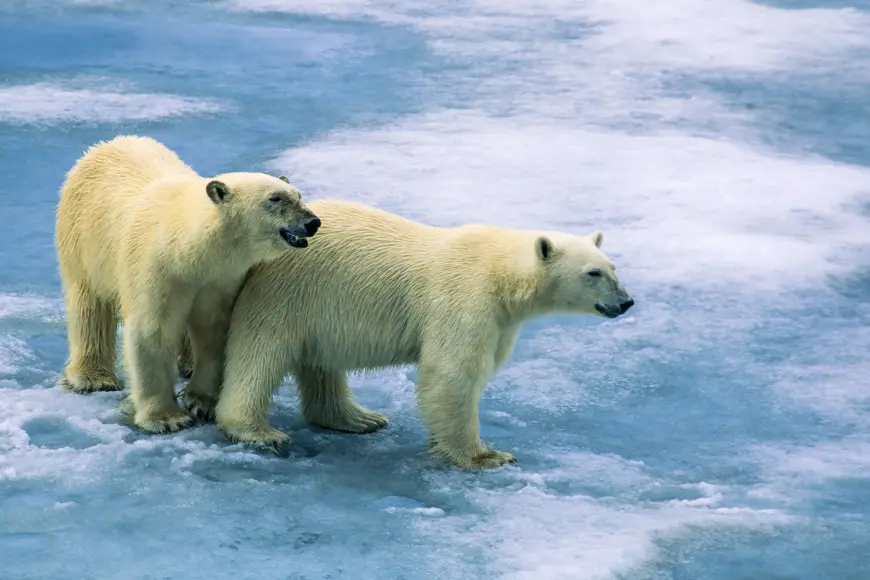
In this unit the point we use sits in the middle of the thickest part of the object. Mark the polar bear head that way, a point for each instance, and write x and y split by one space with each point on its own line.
576 276
266 210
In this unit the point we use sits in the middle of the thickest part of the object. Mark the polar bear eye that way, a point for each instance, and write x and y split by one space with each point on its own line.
275 198
596 273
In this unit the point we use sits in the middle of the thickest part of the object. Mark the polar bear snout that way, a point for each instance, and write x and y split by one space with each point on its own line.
607 310
312 225
614 310
296 235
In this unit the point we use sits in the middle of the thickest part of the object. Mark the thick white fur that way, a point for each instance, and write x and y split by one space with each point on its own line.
375 290
138 237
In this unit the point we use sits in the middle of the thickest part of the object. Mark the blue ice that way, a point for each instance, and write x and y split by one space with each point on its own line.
720 432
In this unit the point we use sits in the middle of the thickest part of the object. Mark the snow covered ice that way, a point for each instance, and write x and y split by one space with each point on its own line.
721 431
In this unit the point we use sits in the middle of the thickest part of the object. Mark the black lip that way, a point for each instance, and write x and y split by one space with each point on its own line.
609 312
294 240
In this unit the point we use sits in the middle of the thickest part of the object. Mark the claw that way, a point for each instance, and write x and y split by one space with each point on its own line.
277 448
200 409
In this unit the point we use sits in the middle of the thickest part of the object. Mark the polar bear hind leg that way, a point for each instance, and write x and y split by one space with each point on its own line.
93 329
254 370
327 402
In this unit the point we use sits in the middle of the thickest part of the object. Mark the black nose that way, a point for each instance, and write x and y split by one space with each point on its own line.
626 305
312 225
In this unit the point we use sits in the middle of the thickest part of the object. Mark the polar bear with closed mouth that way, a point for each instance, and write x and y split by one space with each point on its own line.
376 290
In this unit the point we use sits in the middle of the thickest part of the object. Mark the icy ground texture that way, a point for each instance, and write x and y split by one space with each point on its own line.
720 432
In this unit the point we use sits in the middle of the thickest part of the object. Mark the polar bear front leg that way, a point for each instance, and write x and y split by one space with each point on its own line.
208 323
150 353
327 402
449 390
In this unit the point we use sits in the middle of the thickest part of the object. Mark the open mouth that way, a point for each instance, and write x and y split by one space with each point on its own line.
294 240
608 311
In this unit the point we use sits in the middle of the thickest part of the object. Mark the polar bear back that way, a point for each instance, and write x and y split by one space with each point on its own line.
104 193
371 283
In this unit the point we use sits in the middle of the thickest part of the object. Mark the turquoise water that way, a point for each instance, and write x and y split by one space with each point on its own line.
720 432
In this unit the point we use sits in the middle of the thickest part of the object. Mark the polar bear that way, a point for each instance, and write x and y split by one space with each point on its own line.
378 290
142 237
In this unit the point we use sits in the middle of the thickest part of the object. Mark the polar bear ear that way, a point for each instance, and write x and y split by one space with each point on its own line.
218 192
597 237
284 178
544 248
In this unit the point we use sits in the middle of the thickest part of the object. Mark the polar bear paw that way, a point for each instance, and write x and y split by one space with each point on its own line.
485 458
490 459
202 407
85 383
355 419
268 437
165 421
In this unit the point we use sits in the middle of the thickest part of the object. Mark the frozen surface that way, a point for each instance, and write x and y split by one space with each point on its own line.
720 432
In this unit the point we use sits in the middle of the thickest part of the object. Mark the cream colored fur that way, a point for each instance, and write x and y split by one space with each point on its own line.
141 237
376 290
